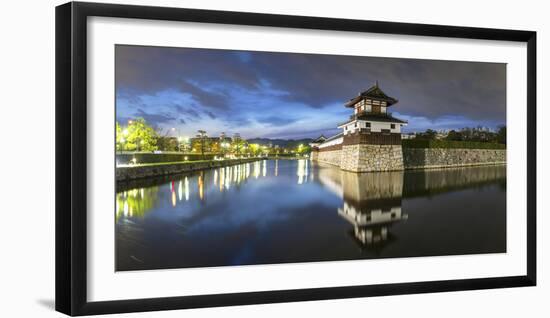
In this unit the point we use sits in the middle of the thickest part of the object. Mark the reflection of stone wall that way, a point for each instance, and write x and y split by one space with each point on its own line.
331 157
421 182
418 158
314 154
371 186
366 158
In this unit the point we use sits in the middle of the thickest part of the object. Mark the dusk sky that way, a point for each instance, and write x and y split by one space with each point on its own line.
290 95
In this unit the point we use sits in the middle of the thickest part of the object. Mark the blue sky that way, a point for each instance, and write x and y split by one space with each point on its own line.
291 95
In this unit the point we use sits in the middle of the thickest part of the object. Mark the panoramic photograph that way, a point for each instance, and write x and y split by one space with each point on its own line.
232 158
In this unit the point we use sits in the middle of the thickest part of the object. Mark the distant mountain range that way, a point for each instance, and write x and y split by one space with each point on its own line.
283 143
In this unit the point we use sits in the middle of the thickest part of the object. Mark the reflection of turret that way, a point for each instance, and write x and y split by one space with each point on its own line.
372 203
371 222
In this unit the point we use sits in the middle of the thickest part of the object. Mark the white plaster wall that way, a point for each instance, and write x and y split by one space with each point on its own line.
333 142
374 126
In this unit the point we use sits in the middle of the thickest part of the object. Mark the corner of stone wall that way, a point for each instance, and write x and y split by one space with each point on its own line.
370 158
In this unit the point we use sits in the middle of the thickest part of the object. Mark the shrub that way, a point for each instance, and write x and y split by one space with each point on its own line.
420 143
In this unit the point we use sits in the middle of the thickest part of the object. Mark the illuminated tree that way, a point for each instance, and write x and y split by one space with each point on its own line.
254 149
119 138
302 149
141 136
237 144
203 143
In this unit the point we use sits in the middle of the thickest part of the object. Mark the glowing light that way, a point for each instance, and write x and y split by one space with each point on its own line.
186 189
256 169
180 190
201 188
301 171
222 178
227 177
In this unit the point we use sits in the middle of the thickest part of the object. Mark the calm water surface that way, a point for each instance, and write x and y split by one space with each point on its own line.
280 211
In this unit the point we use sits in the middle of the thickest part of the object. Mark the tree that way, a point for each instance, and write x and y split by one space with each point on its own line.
429 134
166 143
455 136
202 140
501 135
119 138
141 136
254 149
237 144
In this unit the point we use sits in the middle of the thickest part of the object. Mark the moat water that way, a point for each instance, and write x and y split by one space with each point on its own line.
282 211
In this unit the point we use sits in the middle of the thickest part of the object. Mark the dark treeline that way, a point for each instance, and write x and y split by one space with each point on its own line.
466 134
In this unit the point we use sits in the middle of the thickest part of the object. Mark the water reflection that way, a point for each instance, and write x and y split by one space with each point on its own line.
138 201
135 202
372 201
254 213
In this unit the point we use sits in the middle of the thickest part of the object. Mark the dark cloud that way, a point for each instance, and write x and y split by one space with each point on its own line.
276 120
149 69
425 88
205 98
210 114
154 119
191 113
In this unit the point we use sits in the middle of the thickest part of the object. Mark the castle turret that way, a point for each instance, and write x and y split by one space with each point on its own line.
370 114
370 139
372 136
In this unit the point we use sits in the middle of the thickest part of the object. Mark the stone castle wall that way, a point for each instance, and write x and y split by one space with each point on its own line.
314 155
367 158
128 173
421 158
333 157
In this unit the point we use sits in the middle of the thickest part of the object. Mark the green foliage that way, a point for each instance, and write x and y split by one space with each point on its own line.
137 136
119 139
424 143
254 149
303 149
501 135
429 134
238 145
478 135
165 143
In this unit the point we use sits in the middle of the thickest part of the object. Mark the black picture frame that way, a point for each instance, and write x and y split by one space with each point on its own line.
71 157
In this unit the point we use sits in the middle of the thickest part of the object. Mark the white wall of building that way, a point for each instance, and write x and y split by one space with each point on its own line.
332 142
375 126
